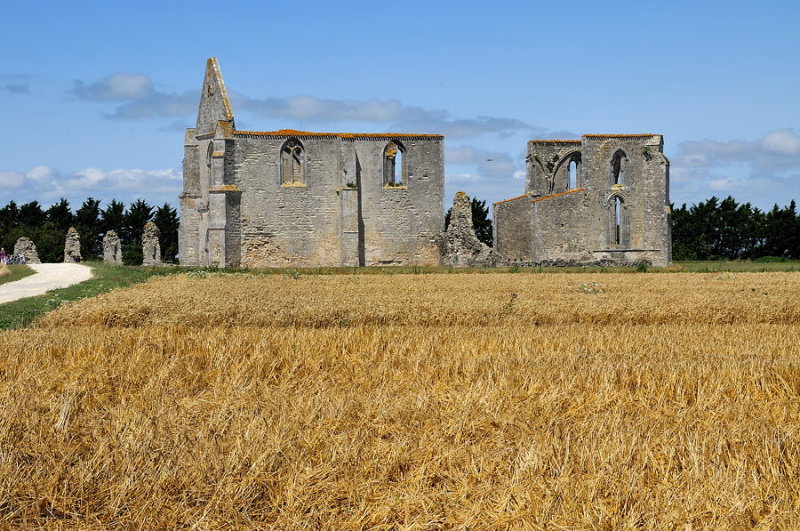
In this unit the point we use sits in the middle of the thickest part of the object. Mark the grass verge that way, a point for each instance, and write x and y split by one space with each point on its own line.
106 277
11 273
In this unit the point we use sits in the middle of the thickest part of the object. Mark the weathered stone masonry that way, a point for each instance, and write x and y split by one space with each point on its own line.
600 200
295 198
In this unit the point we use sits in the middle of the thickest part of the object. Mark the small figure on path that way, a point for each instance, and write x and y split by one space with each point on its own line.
3 258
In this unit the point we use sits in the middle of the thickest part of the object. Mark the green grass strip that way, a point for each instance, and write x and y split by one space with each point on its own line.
15 272
22 312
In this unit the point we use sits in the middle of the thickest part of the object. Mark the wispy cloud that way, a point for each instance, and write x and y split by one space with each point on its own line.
399 116
15 84
134 97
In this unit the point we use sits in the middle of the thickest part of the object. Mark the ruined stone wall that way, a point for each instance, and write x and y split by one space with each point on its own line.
401 222
289 224
512 229
190 203
236 211
576 224
562 227
547 166
644 190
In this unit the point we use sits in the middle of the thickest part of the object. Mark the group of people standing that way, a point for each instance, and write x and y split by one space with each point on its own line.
6 259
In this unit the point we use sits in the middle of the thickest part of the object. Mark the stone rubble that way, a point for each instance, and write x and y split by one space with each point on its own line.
151 248
72 247
112 248
26 248
458 245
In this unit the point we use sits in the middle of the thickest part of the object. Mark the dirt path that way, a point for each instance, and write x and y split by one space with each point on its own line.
47 277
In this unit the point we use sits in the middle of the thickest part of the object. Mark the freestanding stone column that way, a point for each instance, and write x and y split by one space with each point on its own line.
26 248
151 249
112 248
458 246
72 247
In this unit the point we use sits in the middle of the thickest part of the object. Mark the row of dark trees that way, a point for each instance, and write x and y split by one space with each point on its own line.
710 230
718 230
47 228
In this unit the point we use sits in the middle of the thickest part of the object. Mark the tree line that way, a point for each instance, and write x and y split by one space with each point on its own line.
727 230
710 230
47 228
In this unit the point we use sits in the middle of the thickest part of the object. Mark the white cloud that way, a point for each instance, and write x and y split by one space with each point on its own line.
763 171
121 86
47 185
785 142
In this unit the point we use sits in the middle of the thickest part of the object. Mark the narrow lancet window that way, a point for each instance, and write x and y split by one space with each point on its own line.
573 175
394 167
292 163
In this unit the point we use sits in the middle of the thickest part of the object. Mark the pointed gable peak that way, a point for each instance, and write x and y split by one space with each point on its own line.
214 103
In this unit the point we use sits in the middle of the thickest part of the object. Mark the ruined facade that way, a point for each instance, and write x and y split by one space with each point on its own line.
295 198
600 200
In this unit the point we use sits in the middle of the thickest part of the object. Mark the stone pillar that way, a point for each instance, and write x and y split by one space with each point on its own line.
26 248
112 248
151 248
458 245
72 247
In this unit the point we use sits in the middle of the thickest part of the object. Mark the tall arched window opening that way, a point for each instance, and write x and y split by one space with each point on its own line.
292 162
617 220
619 165
394 164
573 174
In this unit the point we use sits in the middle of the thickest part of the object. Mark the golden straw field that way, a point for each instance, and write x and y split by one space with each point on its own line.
435 401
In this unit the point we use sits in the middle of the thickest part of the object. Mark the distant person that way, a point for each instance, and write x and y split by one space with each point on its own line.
3 257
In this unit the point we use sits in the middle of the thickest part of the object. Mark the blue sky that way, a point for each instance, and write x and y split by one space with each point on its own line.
95 95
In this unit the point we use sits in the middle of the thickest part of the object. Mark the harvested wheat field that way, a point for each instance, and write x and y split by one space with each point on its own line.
475 401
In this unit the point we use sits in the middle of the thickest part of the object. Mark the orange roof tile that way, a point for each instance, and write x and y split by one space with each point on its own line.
294 132
512 199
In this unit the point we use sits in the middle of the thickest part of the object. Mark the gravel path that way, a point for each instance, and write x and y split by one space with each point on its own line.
47 277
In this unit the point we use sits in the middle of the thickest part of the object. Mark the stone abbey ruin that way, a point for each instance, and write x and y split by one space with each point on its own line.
600 200
301 199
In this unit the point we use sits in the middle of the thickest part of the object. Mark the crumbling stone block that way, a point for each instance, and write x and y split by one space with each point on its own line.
26 248
112 248
72 247
458 245
151 248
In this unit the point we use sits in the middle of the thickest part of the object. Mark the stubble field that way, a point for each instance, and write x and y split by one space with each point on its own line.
479 401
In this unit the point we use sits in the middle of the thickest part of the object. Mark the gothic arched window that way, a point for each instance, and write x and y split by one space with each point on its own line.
292 158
